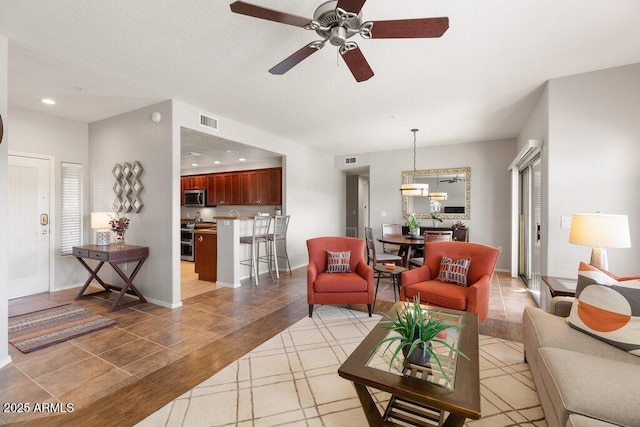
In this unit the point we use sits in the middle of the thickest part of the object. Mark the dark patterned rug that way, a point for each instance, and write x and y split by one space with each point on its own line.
39 329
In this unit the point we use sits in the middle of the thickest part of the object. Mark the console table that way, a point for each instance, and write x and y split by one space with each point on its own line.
114 256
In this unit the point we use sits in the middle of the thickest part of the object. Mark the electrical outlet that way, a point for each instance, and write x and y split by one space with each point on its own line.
499 248
383 213
565 222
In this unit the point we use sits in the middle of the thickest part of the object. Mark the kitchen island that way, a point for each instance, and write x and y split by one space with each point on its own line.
206 250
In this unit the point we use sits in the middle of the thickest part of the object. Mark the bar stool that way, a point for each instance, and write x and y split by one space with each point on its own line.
280 227
261 226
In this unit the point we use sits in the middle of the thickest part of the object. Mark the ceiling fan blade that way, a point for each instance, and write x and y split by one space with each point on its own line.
410 28
271 15
353 6
293 60
358 64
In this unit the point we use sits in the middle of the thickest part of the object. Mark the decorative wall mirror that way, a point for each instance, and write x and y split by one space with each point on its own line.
456 182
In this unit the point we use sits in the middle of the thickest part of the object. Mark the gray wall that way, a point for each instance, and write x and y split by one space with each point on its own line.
490 186
592 161
65 140
126 138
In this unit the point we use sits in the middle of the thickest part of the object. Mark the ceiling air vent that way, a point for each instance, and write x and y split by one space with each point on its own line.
350 160
208 121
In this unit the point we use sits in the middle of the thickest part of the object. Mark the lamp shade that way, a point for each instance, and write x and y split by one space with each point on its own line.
438 195
100 220
414 189
600 230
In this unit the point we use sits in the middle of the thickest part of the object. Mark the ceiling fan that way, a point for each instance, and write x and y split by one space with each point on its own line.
452 180
336 21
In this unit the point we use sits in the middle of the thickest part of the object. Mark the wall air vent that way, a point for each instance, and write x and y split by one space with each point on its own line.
351 160
208 121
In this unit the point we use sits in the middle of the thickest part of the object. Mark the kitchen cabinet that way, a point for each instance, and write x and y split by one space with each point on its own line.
195 182
223 189
248 187
261 187
206 243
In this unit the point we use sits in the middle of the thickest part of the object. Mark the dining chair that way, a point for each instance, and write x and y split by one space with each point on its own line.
391 229
432 236
377 261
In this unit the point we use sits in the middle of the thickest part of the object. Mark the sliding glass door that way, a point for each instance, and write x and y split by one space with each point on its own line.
530 223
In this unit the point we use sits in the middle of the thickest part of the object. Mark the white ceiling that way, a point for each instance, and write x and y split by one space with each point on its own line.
478 82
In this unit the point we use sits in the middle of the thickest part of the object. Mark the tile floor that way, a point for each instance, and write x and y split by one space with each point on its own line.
292 380
149 337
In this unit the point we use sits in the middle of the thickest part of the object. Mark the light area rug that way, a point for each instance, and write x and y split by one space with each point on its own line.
292 380
39 329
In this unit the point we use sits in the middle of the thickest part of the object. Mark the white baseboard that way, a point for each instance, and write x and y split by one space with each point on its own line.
162 303
5 361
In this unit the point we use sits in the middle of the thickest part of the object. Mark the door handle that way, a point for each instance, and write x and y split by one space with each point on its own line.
200 239
43 232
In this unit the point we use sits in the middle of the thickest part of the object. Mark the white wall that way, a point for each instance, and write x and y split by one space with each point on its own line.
490 186
66 141
4 212
126 138
592 164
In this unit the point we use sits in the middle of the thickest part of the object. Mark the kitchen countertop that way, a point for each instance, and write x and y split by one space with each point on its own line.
233 217
205 231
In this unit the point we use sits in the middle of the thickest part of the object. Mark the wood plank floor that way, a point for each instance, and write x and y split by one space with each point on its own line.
154 354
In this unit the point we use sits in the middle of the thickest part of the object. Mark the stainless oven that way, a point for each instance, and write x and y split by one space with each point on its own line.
187 247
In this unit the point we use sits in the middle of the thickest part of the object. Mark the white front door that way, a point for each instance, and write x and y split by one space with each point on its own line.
28 181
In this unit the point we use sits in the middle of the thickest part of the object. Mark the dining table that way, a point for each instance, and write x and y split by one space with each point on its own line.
407 245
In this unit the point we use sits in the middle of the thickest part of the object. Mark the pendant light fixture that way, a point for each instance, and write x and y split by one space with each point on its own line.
438 195
414 189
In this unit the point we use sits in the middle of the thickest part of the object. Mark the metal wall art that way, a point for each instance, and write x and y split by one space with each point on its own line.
128 187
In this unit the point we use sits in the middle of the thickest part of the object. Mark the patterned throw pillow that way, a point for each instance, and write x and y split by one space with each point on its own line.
454 271
338 262
607 309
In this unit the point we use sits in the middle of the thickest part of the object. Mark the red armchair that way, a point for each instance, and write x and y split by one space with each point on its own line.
355 287
474 297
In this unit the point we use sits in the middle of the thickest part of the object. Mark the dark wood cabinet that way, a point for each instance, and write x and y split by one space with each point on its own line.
261 187
249 187
195 182
223 189
206 248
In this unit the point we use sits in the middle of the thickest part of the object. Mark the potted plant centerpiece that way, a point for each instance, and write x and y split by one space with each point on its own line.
414 225
415 331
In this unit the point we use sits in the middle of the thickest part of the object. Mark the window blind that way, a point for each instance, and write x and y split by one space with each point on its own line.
71 224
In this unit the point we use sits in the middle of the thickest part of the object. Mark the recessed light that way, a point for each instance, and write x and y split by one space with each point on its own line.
194 164
216 162
241 159
48 101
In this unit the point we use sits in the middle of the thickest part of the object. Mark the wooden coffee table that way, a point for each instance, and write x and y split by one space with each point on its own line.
414 400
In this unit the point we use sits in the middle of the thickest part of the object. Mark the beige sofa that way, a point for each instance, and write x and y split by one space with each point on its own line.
581 381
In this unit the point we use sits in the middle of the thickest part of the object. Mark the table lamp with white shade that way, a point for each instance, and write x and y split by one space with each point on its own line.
100 221
600 231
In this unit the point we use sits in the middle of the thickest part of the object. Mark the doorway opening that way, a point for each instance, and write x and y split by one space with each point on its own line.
357 215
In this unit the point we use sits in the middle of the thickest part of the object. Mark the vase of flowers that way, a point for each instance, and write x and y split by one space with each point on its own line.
119 225
434 211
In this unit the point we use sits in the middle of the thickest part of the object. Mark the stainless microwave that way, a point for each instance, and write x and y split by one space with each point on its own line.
196 198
